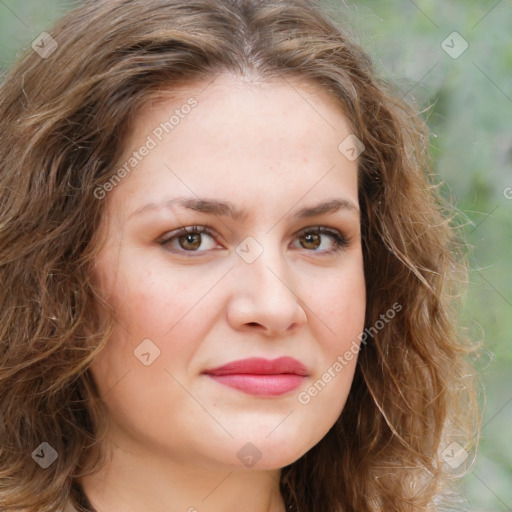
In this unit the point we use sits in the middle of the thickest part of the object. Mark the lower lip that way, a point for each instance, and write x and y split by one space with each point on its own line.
261 385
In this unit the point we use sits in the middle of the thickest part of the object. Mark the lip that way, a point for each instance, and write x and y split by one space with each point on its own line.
261 377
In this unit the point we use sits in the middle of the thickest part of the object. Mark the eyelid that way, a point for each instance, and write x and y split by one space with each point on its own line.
341 239
184 230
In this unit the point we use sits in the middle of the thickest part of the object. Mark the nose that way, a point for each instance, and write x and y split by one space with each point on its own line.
264 297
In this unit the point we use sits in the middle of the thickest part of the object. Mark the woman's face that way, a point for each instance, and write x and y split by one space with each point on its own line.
275 271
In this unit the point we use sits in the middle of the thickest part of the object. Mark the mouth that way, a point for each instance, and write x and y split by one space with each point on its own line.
261 377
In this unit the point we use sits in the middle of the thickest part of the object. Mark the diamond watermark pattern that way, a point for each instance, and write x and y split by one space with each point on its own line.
44 45
146 352
454 455
454 45
45 455
351 147
249 455
249 249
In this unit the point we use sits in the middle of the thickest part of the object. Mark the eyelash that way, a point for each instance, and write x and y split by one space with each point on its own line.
340 240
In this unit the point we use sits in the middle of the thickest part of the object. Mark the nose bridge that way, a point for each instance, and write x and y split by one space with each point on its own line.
265 264
266 285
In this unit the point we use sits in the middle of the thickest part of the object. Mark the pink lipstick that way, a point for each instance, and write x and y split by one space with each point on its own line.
261 377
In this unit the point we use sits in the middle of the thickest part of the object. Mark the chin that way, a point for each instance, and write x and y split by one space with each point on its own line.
271 454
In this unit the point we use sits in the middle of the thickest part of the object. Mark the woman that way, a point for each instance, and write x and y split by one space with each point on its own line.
226 271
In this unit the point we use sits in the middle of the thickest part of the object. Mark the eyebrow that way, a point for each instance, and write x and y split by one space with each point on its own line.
227 209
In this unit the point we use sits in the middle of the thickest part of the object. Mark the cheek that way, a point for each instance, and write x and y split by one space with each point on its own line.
339 311
147 302
339 321
338 307
151 344
155 316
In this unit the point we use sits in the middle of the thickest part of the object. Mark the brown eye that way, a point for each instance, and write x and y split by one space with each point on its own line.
188 239
312 239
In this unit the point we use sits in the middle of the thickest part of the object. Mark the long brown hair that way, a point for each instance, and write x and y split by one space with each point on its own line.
65 112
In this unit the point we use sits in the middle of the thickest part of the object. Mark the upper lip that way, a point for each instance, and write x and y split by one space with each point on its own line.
260 366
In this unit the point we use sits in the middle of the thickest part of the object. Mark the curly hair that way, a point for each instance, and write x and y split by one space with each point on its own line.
65 115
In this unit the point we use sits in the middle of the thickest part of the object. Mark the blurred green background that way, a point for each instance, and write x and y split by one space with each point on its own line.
466 97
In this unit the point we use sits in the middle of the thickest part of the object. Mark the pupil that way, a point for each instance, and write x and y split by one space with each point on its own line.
309 239
189 237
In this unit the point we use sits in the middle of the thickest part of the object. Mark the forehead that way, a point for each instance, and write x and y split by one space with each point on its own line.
284 108
261 141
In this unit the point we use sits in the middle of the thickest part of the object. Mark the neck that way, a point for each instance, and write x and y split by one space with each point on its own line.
135 482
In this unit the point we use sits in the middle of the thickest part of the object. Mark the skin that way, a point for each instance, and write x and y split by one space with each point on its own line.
271 148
